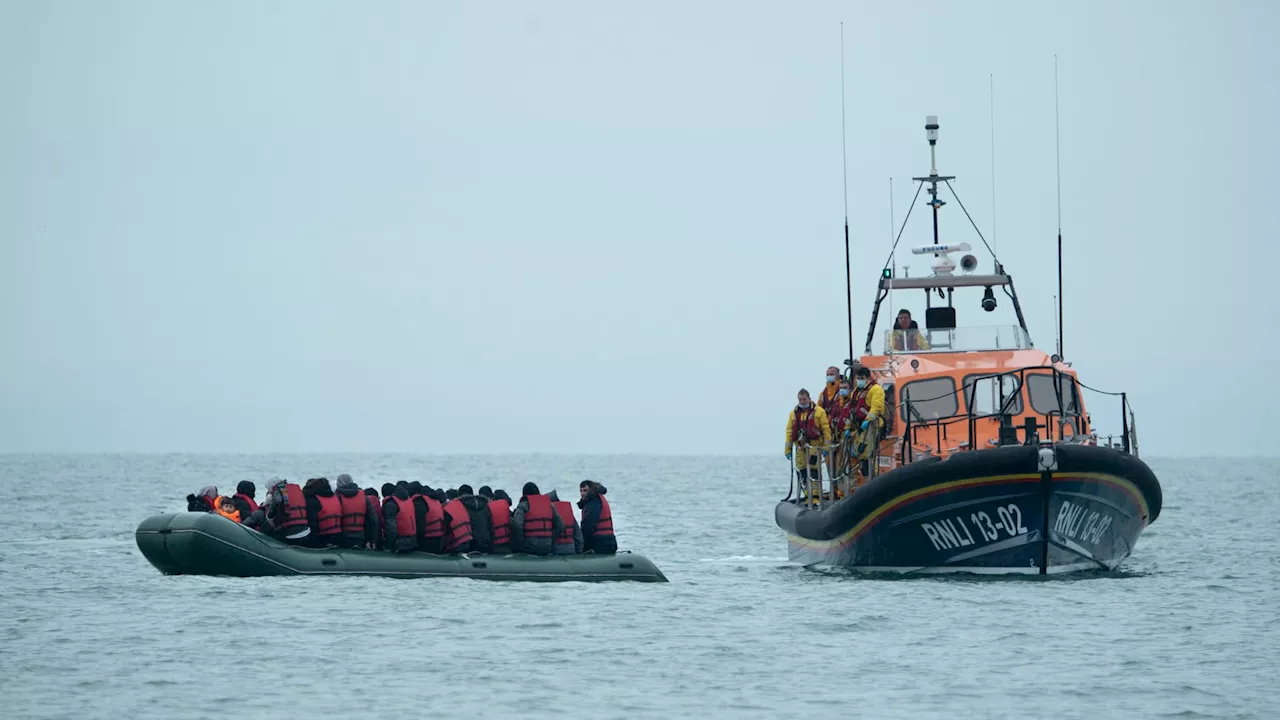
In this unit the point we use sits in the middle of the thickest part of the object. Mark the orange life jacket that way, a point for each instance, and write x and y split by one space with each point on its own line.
459 525
806 422
830 395
233 514
860 406
353 513
329 517
537 519
565 511
500 510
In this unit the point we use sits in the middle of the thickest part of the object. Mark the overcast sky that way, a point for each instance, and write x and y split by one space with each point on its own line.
512 227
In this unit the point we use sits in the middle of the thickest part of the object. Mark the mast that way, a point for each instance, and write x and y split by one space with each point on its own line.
931 132
1058 152
844 162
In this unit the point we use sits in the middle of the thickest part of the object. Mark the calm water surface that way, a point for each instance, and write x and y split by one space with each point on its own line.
1189 629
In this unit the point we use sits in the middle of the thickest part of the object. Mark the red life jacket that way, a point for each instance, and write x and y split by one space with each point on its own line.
460 525
860 406
434 523
406 521
253 506
537 519
377 508
839 414
329 519
805 421
353 513
826 402
295 509
500 510
605 525
565 511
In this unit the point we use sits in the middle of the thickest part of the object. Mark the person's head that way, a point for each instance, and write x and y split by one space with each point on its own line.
402 485
415 488
584 489
464 490
388 490
833 372
346 483
208 491
317 485
863 377
904 320
501 494
451 494
530 489
802 398
246 487
844 387
371 491
486 492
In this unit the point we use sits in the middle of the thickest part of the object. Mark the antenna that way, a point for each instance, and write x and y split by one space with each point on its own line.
844 161
1058 152
893 256
992 80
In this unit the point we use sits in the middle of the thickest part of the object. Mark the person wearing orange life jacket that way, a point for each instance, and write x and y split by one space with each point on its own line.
808 437
458 539
399 525
839 414
597 519
830 391
569 541
360 521
499 519
285 512
372 494
324 513
219 504
534 523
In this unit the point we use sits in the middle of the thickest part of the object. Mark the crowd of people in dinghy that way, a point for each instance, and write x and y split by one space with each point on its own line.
410 516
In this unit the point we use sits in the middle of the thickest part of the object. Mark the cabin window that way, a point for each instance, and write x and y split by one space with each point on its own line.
983 394
1043 392
929 399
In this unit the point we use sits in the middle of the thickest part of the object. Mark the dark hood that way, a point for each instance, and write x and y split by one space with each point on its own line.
473 502
402 493
592 494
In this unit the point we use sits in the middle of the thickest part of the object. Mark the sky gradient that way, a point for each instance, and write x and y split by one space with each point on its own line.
506 227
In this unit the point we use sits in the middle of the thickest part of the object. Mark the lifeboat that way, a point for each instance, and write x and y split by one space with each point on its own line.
986 459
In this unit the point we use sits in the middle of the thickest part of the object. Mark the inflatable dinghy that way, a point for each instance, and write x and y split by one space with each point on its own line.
195 543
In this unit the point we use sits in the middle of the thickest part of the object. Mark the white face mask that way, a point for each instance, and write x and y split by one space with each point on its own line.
804 404
862 383
831 378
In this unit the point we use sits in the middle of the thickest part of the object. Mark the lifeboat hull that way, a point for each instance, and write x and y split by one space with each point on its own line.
1010 510
205 544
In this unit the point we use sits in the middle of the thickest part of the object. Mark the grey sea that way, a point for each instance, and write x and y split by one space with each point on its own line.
1188 629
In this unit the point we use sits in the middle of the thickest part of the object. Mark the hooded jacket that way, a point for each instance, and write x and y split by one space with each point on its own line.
313 491
591 507
347 488
481 522
532 546
576 548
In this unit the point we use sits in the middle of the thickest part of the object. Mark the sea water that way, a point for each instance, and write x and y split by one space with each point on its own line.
1190 627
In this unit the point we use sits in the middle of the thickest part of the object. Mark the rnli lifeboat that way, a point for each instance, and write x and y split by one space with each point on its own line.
986 459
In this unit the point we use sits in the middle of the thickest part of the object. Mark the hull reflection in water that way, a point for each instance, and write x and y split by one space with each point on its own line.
992 511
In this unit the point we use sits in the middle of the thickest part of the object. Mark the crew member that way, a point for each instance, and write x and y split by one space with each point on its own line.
481 520
534 523
597 519
360 521
830 391
243 499
500 519
906 334
399 524
569 540
808 437
324 512
839 414
866 416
